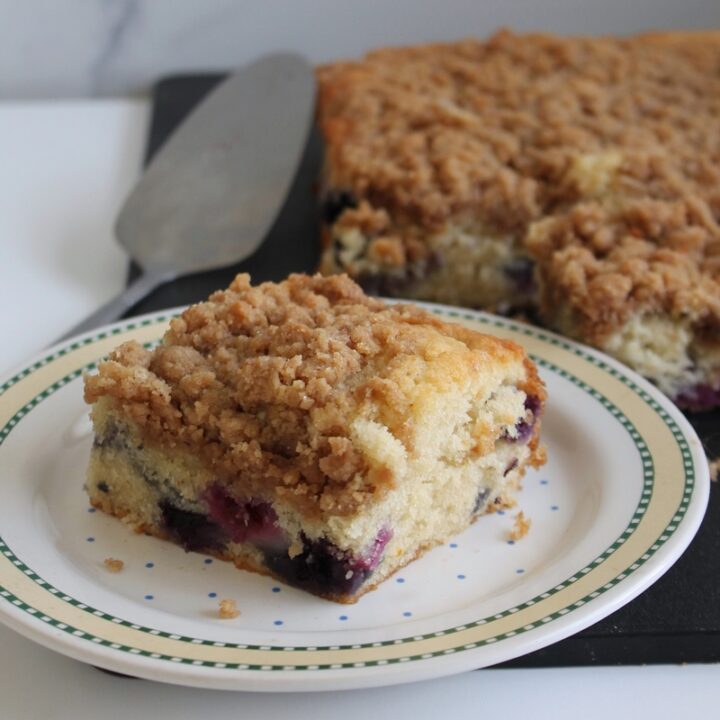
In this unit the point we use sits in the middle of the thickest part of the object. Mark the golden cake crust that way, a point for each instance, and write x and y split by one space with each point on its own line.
262 382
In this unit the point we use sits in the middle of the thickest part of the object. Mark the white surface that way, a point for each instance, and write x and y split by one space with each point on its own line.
37 684
66 169
96 47
581 504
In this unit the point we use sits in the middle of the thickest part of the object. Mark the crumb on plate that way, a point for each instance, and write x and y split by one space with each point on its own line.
520 527
113 564
715 469
228 610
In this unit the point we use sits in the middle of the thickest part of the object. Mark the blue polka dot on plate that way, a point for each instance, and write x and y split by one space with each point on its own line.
461 577
554 507
343 617
149 597
520 571
208 561
510 542
276 589
407 613
277 622
400 580
149 564
543 482
212 594
91 509
453 545
90 539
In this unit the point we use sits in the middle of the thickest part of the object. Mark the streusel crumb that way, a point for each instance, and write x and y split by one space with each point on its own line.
521 526
496 127
228 610
607 263
113 564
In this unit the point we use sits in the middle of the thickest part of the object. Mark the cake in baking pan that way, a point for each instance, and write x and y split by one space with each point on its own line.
577 179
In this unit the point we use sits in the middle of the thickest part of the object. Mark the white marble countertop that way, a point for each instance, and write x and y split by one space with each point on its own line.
36 684
100 48
65 172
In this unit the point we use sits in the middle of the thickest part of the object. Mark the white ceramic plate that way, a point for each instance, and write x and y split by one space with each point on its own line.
621 497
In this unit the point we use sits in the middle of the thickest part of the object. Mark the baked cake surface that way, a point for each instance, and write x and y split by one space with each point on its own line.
304 430
576 177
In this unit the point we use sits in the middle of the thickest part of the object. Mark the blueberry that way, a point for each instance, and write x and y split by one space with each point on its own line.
383 284
520 271
480 500
110 438
524 427
248 520
699 397
194 531
396 284
324 568
335 203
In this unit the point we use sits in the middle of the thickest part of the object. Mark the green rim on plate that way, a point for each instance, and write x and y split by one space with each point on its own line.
670 472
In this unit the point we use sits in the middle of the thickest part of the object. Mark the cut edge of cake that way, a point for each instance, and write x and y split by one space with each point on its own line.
446 208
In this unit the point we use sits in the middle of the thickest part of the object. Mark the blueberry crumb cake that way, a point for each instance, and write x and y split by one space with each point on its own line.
574 178
309 432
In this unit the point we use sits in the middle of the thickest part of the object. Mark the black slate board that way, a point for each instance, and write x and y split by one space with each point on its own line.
677 620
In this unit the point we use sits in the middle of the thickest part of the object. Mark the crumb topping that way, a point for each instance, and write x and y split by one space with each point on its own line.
521 527
113 565
228 610
496 127
264 384
616 140
649 256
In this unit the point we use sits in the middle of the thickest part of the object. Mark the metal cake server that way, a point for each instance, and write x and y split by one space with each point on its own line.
211 194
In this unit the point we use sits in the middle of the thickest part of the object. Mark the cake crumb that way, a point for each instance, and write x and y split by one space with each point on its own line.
520 527
715 469
295 549
113 564
228 610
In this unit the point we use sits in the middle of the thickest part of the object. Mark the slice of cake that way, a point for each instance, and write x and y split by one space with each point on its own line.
495 174
306 431
641 282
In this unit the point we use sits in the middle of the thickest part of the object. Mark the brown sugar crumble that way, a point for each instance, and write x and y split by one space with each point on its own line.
113 564
521 527
656 255
228 610
495 128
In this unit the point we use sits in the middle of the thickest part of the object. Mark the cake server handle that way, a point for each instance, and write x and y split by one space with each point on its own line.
115 308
